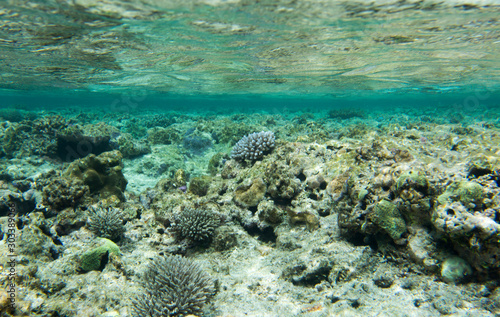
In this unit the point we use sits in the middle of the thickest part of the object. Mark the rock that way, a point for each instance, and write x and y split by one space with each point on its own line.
102 174
309 273
455 269
225 238
421 246
199 185
249 195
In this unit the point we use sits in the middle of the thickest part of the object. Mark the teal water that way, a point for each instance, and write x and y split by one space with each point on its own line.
481 104
331 48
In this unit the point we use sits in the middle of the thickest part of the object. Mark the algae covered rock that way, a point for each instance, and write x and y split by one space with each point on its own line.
97 258
163 136
199 185
411 181
250 193
283 185
128 146
75 142
59 193
304 212
35 243
466 192
224 238
310 272
482 164
268 212
102 174
32 137
180 178
216 162
414 199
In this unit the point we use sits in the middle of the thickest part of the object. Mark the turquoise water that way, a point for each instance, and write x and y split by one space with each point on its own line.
280 48
481 104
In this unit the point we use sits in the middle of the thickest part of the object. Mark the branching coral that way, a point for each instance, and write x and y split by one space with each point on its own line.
196 225
253 146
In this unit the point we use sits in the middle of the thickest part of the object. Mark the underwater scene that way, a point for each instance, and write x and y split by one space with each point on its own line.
249 158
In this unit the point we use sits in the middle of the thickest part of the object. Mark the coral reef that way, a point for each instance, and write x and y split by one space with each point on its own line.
337 219
174 286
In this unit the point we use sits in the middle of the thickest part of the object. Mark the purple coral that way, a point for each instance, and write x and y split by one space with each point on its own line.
253 146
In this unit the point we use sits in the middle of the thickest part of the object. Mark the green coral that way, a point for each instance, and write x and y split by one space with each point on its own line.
470 192
96 258
466 192
387 216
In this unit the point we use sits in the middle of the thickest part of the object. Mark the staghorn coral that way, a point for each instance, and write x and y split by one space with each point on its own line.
253 146
106 222
196 225
173 286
